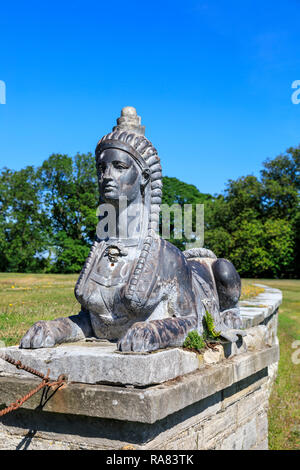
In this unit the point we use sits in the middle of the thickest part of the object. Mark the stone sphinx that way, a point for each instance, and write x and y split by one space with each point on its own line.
139 289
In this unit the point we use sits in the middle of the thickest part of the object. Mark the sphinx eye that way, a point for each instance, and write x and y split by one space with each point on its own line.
120 165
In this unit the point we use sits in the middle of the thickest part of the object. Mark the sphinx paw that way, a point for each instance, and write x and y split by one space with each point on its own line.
141 337
231 317
232 334
40 335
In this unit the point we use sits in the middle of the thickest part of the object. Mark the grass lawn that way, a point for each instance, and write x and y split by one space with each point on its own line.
26 298
284 411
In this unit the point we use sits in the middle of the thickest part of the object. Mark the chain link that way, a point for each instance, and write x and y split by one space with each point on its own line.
45 383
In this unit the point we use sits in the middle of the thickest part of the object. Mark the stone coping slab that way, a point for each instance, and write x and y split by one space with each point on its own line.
257 309
100 362
146 405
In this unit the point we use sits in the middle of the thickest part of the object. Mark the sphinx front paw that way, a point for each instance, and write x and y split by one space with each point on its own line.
40 335
141 337
231 317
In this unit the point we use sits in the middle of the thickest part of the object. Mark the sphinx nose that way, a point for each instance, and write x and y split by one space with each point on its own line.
108 173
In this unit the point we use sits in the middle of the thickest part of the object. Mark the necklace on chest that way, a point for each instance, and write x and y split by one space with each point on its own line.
115 251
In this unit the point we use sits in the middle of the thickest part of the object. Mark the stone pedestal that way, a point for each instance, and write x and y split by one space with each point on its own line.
171 399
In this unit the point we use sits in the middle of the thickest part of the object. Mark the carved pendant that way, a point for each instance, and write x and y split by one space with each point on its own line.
115 251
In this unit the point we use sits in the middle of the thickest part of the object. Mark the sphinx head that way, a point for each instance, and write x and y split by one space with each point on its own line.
128 166
120 176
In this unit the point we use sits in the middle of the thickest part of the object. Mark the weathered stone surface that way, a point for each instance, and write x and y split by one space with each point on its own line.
146 405
256 337
254 311
243 438
213 356
234 349
211 423
99 362
256 361
262 445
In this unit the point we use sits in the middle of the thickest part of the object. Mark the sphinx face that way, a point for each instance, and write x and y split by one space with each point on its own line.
118 176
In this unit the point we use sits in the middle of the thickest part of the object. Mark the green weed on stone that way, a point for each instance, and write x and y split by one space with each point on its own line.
194 341
211 331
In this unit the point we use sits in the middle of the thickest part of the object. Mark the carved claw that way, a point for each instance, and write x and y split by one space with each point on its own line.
231 317
40 335
141 337
232 335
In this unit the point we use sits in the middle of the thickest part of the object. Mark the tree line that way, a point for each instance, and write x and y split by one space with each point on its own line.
48 216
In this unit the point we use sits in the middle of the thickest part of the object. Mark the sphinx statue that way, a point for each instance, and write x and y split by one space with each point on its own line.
135 287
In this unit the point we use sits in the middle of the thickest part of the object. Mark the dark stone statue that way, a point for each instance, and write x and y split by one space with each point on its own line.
135 287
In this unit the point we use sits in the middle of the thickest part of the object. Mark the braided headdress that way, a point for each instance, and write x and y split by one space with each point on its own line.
146 157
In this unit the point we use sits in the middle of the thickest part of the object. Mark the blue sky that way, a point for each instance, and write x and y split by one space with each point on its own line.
211 79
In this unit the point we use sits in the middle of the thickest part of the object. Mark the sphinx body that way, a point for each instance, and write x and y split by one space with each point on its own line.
141 290
171 298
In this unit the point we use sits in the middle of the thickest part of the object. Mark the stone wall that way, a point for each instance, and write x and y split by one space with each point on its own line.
222 404
234 418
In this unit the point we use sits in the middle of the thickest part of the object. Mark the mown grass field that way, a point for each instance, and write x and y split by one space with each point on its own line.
26 298
284 411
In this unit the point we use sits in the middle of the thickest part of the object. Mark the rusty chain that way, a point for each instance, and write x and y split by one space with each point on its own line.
45 383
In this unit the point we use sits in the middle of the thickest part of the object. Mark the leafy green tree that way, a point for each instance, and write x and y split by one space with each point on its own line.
48 214
23 222
70 196
178 192
280 244
281 183
244 197
70 254
256 222
262 249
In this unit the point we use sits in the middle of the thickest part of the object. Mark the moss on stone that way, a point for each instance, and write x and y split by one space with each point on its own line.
194 341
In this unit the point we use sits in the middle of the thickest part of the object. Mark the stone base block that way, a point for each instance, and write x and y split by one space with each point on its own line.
100 362
233 418
220 406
